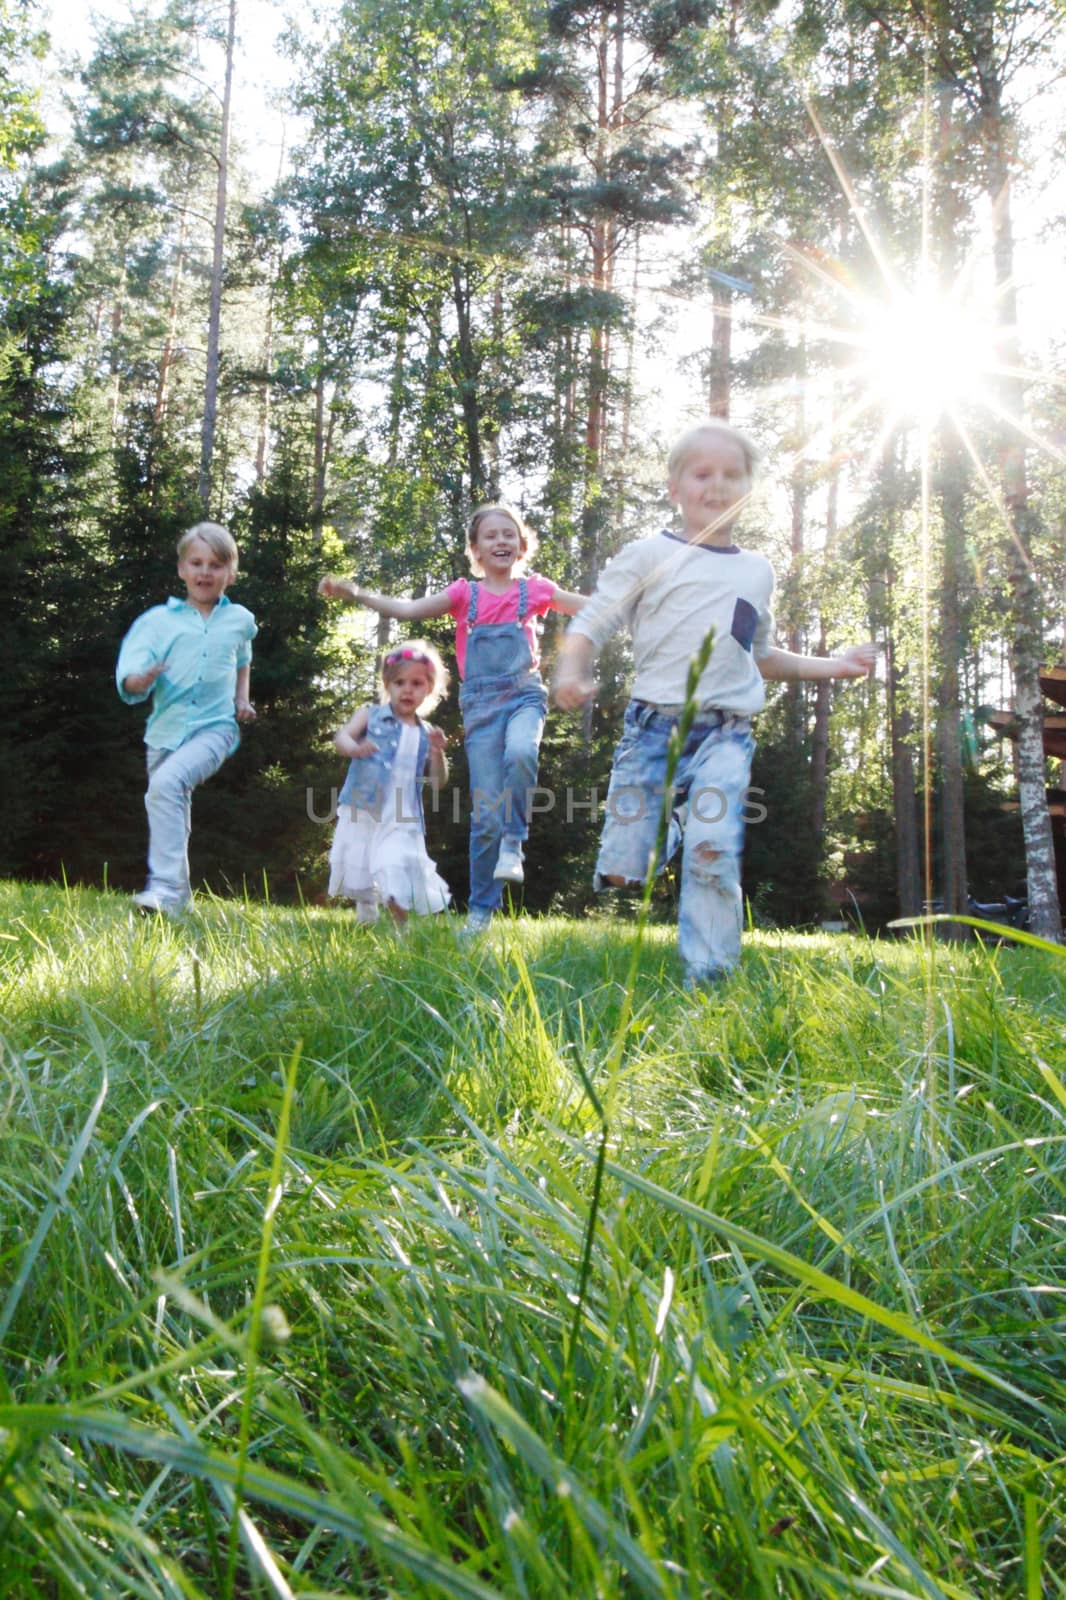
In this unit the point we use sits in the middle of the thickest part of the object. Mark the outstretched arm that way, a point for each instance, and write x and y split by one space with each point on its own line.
575 672
568 600
782 666
430 605
351 740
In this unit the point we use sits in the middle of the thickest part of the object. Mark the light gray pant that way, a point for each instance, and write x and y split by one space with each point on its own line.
172 777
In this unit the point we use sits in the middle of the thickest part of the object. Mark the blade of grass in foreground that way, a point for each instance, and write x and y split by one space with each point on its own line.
562 1479
998 930
51 1210
364 1527
614 1061
274 1197
823 1283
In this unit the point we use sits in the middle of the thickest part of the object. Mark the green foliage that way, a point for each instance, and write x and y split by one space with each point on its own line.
783 855
43 559
449 297
297 1216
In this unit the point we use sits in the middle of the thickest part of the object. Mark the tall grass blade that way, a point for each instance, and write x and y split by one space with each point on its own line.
51 1210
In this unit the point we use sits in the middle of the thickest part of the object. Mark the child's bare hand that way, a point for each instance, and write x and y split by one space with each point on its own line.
336 588
141 682
356 749
857 661
573 690
245 710
438 740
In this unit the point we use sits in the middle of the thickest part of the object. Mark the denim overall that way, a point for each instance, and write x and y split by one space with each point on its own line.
367 781
504 702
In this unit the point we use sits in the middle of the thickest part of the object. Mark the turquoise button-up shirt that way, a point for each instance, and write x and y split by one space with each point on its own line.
203 656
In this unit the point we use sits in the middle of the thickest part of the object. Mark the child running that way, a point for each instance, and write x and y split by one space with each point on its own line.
503 698
193 656
379 847
670 590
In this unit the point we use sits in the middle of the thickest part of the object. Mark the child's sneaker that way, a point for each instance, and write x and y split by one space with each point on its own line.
151 904
509 862
478 919
705 980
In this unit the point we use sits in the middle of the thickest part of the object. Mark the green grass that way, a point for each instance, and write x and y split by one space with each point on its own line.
333 1265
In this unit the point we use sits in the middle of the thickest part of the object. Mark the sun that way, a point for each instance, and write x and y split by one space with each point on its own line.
921 354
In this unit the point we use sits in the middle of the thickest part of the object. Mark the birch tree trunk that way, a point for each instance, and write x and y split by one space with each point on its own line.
1025 613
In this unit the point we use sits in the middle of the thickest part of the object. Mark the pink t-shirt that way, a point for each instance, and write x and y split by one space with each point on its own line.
540 592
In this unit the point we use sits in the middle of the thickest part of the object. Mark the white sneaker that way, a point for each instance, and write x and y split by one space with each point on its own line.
366 911
509 863
705 980
152 904
478 920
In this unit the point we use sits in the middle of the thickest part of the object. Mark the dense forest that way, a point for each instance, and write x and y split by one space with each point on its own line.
513 251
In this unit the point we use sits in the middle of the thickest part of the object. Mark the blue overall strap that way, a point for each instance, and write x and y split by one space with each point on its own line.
523 599
471 610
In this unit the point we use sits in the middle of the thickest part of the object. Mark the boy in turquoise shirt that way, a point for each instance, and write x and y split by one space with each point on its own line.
193 657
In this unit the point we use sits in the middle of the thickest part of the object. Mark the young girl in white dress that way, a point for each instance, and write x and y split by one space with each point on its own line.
379 856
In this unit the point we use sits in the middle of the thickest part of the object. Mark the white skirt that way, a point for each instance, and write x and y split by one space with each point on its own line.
375 860
380 861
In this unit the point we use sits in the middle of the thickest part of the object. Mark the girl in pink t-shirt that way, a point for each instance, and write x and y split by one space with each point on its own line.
503 698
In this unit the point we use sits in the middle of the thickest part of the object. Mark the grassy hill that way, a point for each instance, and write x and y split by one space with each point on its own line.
332 1264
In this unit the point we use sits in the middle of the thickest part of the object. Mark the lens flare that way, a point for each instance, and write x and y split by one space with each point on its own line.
924 354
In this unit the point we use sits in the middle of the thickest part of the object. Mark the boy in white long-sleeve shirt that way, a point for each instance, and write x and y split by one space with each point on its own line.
670 590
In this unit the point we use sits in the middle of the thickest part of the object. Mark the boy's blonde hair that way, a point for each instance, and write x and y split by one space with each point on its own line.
527 538
426 655
691 438
218 540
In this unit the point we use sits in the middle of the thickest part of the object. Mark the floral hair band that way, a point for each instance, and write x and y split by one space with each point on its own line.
407 652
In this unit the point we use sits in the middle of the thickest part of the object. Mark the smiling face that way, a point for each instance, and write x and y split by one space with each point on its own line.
709 486
204 574
496 544
409 683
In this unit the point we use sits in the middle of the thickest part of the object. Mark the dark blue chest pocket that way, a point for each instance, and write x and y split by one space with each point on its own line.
745 620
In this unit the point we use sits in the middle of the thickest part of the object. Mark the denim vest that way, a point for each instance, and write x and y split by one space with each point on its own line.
368 779
497 651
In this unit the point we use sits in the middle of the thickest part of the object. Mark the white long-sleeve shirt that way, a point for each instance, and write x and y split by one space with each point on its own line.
669 593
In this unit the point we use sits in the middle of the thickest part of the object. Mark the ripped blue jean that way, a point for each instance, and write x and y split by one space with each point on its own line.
710 789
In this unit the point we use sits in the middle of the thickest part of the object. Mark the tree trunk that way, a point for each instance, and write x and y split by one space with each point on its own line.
820 746
950 490
468 381
397 384
720 376
823 692
904 783
318 468
950 645
167 359
799 490
214 318
263 420
1026 618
